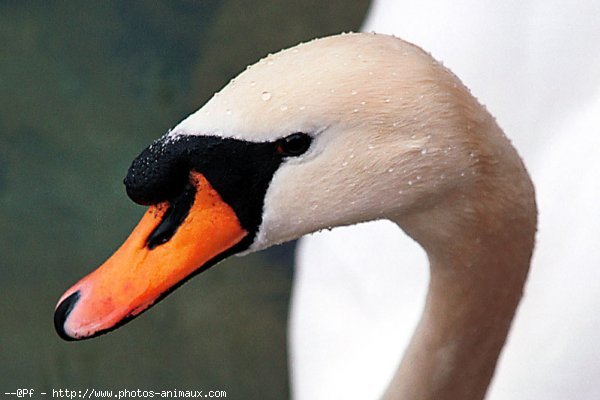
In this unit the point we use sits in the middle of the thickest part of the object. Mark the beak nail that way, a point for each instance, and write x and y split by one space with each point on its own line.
62 313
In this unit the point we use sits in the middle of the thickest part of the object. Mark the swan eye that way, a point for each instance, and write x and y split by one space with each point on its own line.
293 145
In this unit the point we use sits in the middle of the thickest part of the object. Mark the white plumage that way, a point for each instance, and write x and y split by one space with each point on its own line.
359 290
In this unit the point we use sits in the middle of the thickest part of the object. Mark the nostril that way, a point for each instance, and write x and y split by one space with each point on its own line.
177 212
158 174
62 313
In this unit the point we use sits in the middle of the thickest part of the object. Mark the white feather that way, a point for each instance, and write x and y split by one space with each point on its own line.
359 290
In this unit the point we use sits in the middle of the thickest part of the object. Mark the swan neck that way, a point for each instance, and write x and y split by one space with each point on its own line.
478 270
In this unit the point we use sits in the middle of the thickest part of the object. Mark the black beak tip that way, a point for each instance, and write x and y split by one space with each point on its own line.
62 313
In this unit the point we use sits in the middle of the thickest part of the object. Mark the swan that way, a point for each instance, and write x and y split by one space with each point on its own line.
337 131
537 66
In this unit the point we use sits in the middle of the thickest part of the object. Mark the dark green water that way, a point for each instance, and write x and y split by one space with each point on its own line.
84 87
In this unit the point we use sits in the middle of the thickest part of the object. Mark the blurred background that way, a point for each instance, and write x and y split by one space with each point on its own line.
84 88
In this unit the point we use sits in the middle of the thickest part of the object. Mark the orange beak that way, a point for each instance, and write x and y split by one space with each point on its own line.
138 274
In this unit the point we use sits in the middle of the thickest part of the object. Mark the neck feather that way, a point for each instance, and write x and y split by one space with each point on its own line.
479 246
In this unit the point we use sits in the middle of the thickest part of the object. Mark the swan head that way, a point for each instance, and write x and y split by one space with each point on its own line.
332 132
388 128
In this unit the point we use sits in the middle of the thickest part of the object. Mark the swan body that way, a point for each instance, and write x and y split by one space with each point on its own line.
334 132
536 66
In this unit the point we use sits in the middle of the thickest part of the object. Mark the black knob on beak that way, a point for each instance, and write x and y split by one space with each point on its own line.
158 174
